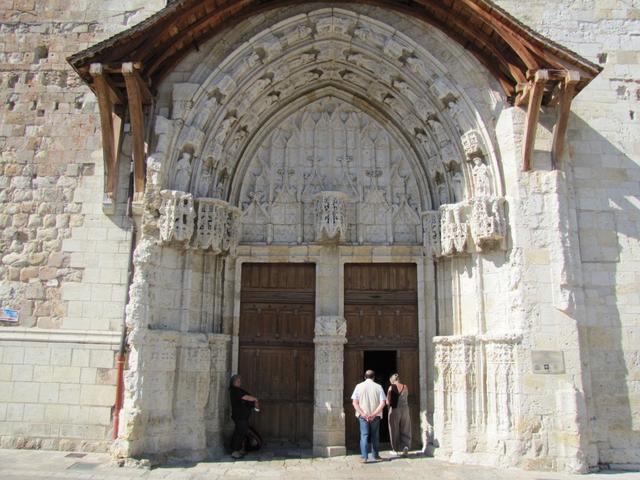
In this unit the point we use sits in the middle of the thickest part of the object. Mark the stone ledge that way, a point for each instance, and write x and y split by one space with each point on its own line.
22 334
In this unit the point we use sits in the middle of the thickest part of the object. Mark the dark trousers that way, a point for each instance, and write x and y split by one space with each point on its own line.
242 427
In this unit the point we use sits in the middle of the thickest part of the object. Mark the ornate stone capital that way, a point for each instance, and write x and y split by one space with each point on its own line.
330 329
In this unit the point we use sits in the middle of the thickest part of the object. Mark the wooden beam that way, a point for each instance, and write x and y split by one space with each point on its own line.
111 127
567 90
533 113
136 95
97 69
133 70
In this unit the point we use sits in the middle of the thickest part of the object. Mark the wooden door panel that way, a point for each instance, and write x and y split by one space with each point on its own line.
276 356
352 376
381 309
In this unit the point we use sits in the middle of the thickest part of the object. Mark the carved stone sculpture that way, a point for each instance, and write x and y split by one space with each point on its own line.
176 216
218 226
481 179
212 215
488 224
204 180
331 217
453 231
472 143
183 173
431 233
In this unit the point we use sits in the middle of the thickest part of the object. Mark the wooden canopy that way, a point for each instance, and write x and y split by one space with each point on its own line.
127 68
509 49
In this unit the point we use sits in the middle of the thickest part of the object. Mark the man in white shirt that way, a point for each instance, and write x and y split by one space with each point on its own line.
369 401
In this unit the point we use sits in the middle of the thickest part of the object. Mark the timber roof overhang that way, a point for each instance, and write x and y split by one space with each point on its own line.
511 51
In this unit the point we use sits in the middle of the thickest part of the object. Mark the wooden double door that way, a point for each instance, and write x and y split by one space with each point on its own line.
276 356
276 350
381 309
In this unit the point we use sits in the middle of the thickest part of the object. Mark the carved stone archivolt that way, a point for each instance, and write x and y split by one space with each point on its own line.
229 138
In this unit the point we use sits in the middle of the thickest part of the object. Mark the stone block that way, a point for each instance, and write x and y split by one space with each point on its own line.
15 412
80 357
76 291
69 394
88 376
102 359
57 413
33 413
37 355
13 355
24 392
61 355
22 373
49 392
66 374
97 395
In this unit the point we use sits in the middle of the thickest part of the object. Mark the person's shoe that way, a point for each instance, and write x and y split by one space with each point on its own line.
243 452
378 458
237 455
363 460
405 451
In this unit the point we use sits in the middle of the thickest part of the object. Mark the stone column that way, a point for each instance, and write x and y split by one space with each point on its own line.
328 412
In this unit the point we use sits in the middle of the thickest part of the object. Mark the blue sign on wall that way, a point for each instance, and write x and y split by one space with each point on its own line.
8 315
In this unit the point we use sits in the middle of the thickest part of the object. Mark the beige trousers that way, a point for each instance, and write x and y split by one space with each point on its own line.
400 428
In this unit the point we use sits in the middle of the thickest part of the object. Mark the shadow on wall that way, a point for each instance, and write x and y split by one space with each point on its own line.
606 191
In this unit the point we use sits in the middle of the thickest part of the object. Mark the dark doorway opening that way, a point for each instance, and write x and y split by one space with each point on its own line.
384 363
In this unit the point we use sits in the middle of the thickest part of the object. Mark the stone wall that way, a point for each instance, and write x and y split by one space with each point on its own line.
603 175
567 279
63 262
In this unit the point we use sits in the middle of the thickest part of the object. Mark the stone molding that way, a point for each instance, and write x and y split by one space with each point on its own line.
21 334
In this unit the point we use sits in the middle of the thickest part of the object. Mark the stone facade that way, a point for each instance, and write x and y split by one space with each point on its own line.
324 135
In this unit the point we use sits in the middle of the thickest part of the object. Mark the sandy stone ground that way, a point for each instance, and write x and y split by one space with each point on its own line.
28 464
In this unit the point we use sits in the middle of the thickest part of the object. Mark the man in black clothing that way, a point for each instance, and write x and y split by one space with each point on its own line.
242 403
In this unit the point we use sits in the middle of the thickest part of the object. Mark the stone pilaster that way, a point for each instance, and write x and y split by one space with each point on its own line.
216 411
328 413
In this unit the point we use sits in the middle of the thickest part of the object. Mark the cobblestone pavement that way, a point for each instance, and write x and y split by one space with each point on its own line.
29 464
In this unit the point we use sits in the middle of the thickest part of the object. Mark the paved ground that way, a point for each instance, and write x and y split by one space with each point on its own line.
27 464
